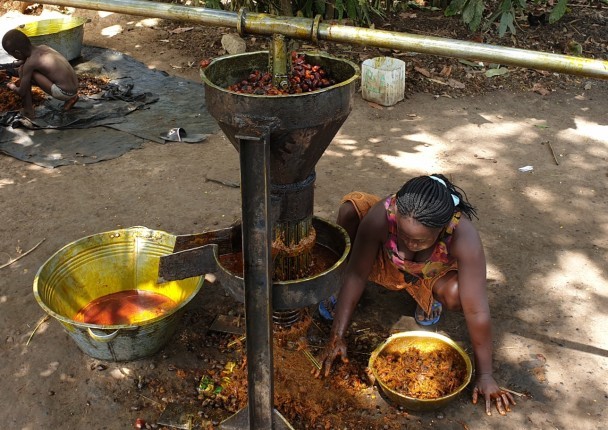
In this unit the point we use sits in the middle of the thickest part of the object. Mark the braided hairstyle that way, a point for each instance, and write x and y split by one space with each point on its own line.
430 202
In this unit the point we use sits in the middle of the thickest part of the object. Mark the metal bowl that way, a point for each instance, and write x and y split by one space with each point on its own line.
105 263
65 35
425 342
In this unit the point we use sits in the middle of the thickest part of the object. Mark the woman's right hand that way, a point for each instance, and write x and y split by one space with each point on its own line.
334 348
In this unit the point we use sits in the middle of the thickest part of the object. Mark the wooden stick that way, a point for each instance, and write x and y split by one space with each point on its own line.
513 392
317 326
312 358
40 322
22 255
226 183
553 153
587 5
149 399
238 340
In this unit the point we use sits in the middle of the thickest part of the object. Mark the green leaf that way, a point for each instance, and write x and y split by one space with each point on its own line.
490 73
455 7
320 7
307 8
364 9
558 11
479 8
351 9
506 22
470 63
339 6
469 12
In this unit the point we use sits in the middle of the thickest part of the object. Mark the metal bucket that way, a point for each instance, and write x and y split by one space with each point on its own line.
64 35
107 263
424 341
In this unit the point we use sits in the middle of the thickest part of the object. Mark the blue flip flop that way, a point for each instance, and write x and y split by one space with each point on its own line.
420 316
327 308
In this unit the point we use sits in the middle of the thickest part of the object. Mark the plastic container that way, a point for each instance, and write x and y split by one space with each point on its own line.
383 80
64 35
107 263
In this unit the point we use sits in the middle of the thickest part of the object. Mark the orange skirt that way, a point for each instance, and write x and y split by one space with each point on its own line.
384 272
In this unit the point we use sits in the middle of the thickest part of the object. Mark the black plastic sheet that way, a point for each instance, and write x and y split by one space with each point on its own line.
139 104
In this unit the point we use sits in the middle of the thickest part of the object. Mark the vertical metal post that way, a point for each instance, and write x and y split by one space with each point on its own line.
257 265
254 157
279 61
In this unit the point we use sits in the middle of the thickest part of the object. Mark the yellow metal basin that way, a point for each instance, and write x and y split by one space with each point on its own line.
108 263
425 342
64 35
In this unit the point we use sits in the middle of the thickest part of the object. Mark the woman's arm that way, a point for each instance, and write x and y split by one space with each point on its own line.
468 250
370 235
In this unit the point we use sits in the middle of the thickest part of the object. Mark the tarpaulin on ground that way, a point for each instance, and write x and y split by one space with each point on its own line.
139 104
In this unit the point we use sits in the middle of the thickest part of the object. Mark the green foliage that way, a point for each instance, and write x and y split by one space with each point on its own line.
213 4
505 13
361 12
506 22
471 11
558 11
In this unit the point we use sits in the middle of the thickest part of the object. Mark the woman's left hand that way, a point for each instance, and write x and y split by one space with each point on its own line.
486 386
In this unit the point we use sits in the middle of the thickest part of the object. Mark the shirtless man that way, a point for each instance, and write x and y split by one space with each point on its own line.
43 66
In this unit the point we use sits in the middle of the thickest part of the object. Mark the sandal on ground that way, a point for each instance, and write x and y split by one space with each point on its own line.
426 320
178 134
327 308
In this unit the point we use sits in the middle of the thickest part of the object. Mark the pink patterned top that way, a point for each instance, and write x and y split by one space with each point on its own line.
439 259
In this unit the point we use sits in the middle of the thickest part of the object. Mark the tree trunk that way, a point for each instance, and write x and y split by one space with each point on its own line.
330 10
286 8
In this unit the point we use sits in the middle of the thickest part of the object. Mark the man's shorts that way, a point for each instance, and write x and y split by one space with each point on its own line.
59 94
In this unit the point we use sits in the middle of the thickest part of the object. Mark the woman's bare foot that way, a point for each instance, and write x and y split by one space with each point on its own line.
70 103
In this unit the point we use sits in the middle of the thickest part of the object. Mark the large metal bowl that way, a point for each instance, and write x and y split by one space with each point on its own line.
425 342
65 35
106 263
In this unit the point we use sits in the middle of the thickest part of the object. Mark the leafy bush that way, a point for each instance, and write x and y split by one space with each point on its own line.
471 10
505 12
359 11
362 11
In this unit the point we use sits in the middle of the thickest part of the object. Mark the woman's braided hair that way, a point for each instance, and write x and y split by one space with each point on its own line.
430 202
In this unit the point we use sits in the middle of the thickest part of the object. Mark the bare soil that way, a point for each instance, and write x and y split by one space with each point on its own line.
545 233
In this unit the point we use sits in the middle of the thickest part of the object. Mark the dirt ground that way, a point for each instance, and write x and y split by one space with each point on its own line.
545 233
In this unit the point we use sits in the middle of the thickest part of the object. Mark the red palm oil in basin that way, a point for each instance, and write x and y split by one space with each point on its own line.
125 307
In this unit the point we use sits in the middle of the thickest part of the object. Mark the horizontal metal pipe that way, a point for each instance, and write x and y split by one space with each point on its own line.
462 49
213 17
305 28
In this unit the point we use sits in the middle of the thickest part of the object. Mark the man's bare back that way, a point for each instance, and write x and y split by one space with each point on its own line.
55 67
